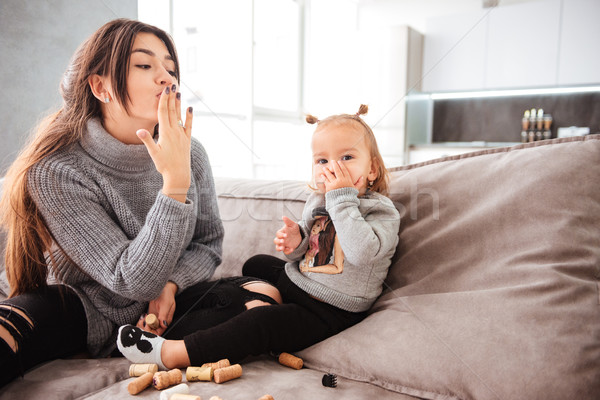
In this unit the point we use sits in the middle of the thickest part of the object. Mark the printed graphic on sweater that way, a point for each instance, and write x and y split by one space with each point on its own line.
324 254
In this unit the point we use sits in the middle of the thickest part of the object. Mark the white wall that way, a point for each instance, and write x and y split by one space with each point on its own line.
37 40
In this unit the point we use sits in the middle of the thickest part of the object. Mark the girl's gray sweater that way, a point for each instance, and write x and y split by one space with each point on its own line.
123 238
367 229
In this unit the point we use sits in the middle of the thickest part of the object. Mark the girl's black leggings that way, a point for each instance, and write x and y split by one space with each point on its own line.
299 322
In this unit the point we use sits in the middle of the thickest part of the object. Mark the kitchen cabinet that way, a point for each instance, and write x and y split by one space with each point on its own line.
579 61
522 45
454 52
534 44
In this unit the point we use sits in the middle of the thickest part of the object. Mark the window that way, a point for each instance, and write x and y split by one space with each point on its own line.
251 69
277 55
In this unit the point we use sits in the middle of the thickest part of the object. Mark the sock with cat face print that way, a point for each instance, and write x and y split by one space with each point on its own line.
139 346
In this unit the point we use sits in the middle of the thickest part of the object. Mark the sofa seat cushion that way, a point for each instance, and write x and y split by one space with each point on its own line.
493 292
262 375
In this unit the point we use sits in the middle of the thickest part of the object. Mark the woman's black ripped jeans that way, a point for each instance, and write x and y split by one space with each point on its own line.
207 304
44 324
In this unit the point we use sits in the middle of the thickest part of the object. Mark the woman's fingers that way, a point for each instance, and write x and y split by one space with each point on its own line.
174 117
163 107
146 138
169 107
189 117
178 106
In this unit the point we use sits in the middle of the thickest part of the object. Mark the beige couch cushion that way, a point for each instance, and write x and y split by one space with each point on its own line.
251 212
493 293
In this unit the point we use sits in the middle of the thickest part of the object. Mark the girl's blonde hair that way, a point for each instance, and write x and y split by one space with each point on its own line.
105 53
381 183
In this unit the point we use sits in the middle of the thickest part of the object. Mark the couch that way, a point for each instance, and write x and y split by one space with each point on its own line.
493 292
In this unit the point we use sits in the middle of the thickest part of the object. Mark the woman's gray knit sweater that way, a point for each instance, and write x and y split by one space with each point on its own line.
124 239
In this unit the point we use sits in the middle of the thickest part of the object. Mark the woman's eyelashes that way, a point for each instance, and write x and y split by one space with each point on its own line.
146 66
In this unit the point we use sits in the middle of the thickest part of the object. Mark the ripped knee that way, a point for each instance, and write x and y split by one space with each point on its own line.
13 309
256 303
15 326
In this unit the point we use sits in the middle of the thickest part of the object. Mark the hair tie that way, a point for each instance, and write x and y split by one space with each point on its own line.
311 119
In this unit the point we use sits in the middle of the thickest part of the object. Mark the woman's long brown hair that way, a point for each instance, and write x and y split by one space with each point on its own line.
105 53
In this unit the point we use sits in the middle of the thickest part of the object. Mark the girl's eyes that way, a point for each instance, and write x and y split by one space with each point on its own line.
343 158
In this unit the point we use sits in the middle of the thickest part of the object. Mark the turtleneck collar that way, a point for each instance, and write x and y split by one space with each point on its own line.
108 150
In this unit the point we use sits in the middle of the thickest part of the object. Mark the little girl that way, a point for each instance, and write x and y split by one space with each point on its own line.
334 275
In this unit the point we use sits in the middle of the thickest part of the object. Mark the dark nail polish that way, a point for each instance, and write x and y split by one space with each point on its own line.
168 90
144 324
173 88
165 323
190 110
178 95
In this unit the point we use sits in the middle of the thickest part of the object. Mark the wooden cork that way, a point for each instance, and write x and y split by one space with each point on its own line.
228 373
163 379
199 374
140 383
152 321
180 396
217 365
141 369
267 397
215 398
290 361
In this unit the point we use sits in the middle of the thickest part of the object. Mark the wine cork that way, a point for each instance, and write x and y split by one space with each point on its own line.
152 321
164 379
228 373
215 398
199 374
290 361
141 369
140 383
267 397
182 388
217 365
181 396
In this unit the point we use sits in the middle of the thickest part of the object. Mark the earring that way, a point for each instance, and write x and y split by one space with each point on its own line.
106 98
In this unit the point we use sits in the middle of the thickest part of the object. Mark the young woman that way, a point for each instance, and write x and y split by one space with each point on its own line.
339 257
115 202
